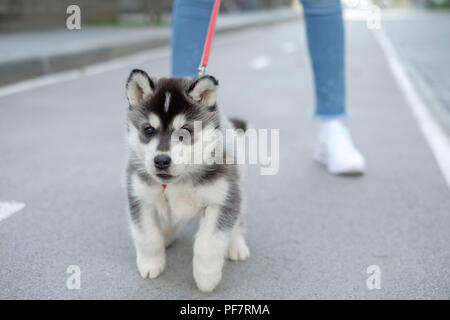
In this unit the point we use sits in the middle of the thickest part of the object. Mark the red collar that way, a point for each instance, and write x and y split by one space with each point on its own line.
164 186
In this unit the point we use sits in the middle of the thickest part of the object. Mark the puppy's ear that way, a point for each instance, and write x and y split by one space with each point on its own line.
139 87
204 91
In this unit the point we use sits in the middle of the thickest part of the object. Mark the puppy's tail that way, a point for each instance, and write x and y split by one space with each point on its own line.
240 127
238 123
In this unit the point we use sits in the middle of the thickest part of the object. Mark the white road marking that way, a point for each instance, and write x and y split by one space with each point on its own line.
94 69
9 208
260 63
434 134
289 47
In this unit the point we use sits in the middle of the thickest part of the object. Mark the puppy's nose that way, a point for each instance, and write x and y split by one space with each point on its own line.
162 161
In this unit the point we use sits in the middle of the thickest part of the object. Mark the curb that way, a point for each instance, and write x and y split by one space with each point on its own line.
15 71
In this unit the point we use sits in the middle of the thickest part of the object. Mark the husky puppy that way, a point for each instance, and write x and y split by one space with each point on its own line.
167 117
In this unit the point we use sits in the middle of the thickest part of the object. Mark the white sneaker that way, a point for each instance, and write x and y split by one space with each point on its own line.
336 151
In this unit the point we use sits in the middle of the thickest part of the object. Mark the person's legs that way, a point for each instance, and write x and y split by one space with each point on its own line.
325 33
189 28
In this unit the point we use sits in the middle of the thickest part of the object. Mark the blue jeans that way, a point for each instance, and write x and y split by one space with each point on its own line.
325 33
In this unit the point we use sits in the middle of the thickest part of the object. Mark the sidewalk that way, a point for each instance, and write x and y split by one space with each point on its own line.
31 54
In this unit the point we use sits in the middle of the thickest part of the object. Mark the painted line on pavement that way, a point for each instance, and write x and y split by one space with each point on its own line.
260 62
434 134
9 208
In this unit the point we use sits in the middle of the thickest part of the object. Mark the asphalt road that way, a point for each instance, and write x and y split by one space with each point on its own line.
420 38
311 235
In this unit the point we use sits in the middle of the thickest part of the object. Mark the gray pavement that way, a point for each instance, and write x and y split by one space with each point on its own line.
421 39
311 235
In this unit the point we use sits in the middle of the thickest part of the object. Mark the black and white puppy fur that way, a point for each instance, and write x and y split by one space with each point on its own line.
163 194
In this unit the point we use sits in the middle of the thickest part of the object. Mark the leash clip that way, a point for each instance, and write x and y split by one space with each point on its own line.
201 70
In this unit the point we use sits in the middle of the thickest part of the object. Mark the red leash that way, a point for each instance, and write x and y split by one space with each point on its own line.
209 38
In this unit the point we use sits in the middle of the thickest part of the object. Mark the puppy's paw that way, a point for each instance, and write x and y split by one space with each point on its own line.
151 267
207 282
238 250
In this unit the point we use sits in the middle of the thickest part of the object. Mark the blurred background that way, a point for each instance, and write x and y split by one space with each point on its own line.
38 14
35 14
34 40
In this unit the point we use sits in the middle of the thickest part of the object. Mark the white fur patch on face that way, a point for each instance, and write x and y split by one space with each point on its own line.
154 121
167 101
135 144
150 151
179 121
145 152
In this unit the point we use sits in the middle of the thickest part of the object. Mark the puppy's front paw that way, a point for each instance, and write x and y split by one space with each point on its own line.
238 250
207 282
151 267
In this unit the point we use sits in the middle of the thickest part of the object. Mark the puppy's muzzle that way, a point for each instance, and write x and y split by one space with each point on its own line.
162 162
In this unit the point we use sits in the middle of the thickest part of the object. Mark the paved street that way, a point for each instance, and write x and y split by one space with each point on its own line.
420 38
311 235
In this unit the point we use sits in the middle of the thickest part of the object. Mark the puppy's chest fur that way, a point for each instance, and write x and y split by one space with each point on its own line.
180 201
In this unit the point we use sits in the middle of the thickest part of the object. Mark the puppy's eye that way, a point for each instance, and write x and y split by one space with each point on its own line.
184 134
186 130
148 131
